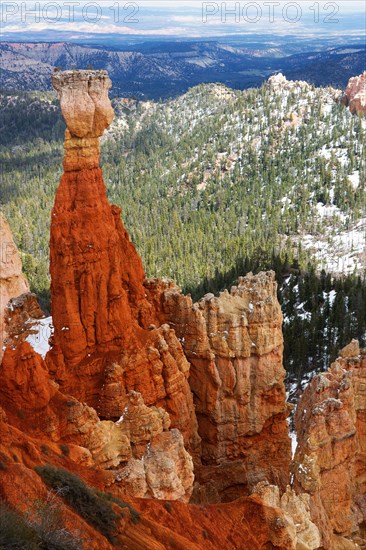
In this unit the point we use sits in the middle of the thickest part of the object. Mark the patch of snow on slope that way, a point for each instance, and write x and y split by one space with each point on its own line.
355 179
329 211
292 432
341 253
39 340
340 154
293 443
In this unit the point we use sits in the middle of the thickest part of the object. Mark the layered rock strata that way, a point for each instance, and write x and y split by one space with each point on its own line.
96 273
103 335
137 455
136 370
234 345
87 112
296 509
330 461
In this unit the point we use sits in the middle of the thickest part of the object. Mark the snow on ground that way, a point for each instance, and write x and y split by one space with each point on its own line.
292 433
341 253
329 211
39 340
339 152
330 296
355 179
293 443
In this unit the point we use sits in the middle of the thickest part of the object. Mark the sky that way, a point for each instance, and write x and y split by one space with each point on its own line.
184 18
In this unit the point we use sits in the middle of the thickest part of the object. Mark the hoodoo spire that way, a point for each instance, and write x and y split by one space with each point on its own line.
97 276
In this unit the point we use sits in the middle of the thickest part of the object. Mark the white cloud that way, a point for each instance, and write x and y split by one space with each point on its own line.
95 29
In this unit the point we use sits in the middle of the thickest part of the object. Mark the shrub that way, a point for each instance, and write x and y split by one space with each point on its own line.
168 506
87 502
45 450
38 528
135 515
65 449
15 531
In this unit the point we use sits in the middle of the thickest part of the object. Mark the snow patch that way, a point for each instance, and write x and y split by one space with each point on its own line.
39 340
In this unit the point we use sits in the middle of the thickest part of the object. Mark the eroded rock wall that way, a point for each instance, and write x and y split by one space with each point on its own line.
12 280
131 451
330 461
234 345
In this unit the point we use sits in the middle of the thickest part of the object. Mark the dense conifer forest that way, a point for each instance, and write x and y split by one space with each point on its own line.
214 184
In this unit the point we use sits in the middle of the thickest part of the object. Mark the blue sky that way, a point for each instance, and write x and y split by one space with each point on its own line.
185 18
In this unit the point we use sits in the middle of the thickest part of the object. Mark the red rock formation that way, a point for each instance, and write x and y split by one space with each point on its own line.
33 403
12 281
330 461
297 512
248 524
38 424
234 344
113 401
97 276
355 95
22 316
100 311
101 306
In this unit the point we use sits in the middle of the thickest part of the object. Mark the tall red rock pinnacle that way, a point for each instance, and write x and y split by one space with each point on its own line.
100 311
97 275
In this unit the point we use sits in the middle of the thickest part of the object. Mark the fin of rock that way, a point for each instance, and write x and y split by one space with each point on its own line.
234 344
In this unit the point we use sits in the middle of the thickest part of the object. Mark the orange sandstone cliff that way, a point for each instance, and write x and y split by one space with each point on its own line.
330 461
12 281
234 345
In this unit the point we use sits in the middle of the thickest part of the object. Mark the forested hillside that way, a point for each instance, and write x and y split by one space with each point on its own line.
213 184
